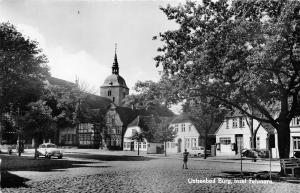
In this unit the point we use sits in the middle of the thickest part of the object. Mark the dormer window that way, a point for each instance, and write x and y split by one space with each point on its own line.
109 93
234 123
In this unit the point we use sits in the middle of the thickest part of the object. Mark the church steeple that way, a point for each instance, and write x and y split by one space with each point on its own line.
115 67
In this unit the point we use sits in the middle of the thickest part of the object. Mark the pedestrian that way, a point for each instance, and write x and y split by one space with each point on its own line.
185 159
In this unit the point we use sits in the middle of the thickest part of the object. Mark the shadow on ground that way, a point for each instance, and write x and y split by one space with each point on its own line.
261 175
111 157
9 180
15 163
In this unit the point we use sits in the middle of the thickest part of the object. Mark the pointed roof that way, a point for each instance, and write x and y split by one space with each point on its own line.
115 67
127 115
115 80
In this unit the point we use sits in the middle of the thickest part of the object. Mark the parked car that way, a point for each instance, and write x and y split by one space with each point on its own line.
197 151
48 150
250 153
6 149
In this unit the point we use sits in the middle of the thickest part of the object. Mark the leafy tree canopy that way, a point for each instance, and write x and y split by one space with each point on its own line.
23 68
246 52
151 98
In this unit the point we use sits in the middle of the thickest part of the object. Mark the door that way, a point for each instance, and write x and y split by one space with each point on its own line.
132 146
239 143
179 145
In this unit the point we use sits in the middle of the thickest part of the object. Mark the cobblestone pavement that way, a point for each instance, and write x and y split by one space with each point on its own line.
155 175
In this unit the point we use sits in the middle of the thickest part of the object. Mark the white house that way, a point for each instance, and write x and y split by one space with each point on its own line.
187 137
295 136
139 125
234 135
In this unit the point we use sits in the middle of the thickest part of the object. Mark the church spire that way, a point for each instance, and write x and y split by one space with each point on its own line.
115 67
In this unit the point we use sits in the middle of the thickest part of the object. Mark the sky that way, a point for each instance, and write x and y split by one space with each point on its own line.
78 36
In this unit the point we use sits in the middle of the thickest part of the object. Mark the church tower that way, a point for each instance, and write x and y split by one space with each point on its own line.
114 86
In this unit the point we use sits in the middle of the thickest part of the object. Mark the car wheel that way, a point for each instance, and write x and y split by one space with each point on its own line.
59 157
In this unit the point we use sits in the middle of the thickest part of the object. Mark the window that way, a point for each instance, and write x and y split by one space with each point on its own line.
227 124
242 122
136 145
70 138
172 145
295 121
118 131
296 142
113 99
183 127
234 123
139 145
176 128
144 145
190 127
187 143
257 143
194 142
85 138
225 140
109 93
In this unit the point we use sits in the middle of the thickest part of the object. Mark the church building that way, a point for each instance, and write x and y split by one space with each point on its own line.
114 86
117 116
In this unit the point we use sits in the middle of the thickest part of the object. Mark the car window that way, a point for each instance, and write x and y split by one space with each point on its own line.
51 146
42 146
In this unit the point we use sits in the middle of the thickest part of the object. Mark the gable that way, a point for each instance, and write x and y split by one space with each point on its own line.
226 128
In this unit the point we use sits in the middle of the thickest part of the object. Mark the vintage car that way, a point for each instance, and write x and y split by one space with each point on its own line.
6 149
48 150
197 151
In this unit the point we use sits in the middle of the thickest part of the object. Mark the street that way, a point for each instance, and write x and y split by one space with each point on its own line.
113 173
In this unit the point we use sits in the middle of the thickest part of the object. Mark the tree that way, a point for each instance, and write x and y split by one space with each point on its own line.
22 69
164 133
38 121
138 137
243 53
151 97
207 115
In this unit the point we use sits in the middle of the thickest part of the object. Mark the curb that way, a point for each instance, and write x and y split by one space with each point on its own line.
219 160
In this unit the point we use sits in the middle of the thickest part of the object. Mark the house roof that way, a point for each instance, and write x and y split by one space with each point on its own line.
269 128
94 102
234 113
184 117
60 82
148 124
237 113
127 115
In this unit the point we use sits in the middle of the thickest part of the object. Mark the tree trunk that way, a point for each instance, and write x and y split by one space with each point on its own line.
35 148
138 148
165 149
253 141
205 143
283 131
